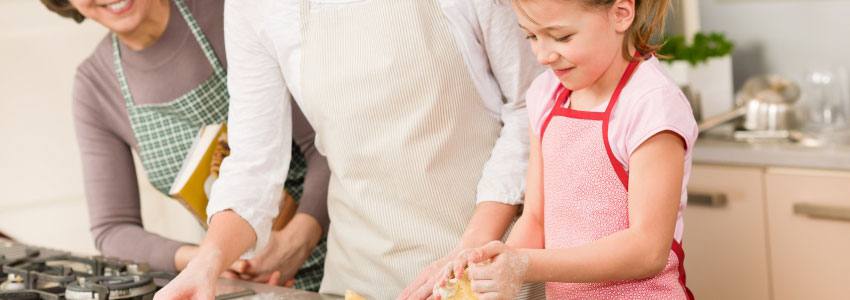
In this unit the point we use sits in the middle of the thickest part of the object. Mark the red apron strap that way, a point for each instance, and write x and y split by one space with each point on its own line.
680 254
621 172
561 94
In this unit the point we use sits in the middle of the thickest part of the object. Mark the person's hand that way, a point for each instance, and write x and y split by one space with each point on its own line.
502 277
195 282
422 287
285 253
186 252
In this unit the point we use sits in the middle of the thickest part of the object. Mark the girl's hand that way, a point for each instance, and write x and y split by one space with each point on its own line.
502 278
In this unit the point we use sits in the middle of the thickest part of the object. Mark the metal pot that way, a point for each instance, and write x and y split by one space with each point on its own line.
766 104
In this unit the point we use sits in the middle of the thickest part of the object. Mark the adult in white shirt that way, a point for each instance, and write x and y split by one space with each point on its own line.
418 106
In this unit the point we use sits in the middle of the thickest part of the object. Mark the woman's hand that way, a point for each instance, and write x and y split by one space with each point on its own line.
285 253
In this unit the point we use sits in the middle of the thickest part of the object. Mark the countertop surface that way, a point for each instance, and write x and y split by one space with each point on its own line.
266 292
719 147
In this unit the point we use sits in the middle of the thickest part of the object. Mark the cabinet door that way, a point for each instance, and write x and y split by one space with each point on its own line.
809 225
725 241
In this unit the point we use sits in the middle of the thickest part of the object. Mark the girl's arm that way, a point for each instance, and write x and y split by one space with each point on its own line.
528 230
655 185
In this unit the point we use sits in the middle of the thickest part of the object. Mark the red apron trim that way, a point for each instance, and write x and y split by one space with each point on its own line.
680 253
559 96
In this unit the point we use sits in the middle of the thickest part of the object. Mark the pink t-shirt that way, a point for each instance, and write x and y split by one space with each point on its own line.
649 104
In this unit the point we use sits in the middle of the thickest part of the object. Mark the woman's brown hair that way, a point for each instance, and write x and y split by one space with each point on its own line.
649 20
64 8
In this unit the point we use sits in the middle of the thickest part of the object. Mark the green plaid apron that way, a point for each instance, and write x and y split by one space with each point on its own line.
165 133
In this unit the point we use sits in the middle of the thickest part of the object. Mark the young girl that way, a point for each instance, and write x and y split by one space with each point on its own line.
611 139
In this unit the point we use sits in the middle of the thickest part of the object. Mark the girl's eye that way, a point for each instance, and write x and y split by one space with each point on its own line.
564 38
531 37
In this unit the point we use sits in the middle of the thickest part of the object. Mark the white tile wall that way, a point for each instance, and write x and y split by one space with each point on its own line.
42 200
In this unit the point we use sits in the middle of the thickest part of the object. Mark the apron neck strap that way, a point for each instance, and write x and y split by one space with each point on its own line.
206 47
630 69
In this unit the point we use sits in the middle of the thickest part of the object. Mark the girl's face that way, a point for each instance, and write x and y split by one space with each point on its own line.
119 16
579 43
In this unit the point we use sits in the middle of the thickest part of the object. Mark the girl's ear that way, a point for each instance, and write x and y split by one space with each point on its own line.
622 14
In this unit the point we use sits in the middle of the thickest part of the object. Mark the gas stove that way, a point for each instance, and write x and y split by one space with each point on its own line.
39 273
34 273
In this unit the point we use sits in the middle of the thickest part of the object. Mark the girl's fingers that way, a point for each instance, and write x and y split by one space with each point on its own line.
487 296
492 249
481 272
484 286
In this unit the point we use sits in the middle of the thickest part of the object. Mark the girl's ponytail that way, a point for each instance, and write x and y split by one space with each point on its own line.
649 20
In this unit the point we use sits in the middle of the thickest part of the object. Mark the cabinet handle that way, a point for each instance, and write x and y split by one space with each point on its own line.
714 200
819 211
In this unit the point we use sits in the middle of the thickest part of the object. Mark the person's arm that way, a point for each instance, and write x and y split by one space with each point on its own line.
528 230
638 252
655 187
111 186
513 67
246 196
290 247
500 189
314 199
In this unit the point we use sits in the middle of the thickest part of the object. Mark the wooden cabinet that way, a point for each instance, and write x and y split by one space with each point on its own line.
809 227
725 241
780 233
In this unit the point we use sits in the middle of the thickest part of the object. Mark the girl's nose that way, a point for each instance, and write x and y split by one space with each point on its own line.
546 56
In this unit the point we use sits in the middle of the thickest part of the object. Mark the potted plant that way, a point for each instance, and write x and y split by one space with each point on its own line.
705 66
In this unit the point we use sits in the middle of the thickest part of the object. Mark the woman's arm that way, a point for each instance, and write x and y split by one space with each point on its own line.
112 193
314 199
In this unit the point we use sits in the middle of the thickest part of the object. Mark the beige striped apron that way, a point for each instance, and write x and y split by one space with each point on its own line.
405 133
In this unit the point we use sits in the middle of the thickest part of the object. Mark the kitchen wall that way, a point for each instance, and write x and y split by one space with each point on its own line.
42 200
781 36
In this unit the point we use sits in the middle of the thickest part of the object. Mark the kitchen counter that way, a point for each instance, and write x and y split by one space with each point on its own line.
720 148
266 292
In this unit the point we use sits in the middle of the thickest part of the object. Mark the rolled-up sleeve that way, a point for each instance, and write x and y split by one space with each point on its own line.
514 67
259 126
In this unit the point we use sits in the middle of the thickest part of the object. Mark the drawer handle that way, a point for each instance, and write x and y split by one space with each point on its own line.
819 211
714 200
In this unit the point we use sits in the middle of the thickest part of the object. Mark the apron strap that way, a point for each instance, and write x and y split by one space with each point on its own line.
623 80
206 47
200 37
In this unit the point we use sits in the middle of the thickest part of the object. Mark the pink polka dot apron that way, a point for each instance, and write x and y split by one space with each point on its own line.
585 192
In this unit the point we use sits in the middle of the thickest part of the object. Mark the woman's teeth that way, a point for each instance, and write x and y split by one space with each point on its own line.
118 6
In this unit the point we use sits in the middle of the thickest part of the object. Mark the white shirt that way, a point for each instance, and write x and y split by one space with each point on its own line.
262 39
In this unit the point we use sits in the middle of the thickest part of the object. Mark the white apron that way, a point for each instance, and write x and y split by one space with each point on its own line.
405 132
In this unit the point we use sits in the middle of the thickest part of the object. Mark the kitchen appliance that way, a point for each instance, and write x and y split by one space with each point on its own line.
766 104
34 273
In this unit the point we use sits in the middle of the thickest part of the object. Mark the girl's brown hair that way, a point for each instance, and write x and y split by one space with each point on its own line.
64 8
649 20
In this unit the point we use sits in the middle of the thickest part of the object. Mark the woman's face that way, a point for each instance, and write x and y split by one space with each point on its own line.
119 16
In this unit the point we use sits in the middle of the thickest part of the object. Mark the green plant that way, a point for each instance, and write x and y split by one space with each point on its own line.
705 46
